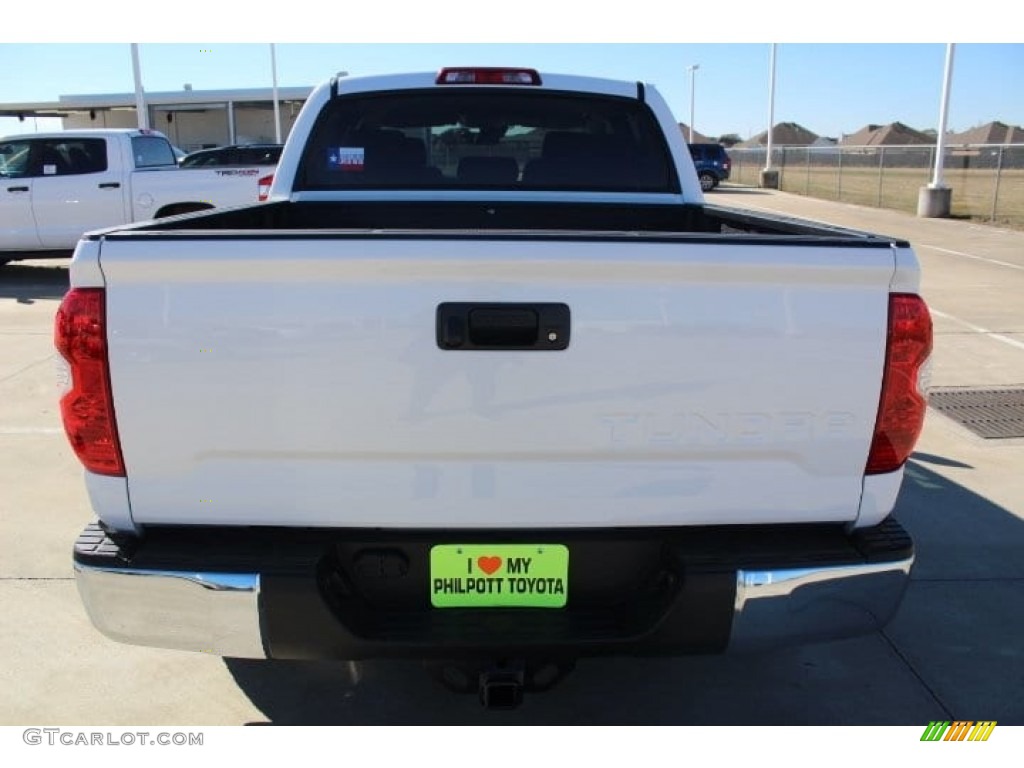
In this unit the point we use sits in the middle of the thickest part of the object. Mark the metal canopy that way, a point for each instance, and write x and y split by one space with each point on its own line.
81 103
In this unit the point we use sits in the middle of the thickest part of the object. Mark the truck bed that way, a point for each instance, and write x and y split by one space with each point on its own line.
458 218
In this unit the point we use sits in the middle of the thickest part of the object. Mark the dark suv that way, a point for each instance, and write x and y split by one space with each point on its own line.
237 154
712 163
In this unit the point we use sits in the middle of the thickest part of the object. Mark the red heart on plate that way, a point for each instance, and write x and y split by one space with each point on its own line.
489 564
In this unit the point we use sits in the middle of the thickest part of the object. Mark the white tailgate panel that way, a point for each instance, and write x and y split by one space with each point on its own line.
298 382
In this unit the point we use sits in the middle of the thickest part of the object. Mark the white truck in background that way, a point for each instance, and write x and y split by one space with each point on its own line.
55 187
486 380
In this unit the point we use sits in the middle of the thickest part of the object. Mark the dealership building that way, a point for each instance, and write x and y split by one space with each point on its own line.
190 119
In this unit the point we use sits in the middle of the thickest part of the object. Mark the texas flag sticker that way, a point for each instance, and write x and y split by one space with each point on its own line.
345 158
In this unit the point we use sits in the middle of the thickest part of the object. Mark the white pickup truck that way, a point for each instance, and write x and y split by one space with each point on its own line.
54 187
486 379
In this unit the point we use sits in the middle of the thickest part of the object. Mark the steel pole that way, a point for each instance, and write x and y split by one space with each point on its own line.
881 170
277 106
140 97
943 117
771 107
839 178
693 79
995 192
692 69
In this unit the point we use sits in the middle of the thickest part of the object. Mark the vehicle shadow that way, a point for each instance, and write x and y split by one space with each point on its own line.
953 651
941 461
28 282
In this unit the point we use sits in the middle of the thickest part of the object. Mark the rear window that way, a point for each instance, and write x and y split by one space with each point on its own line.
486 139
152 151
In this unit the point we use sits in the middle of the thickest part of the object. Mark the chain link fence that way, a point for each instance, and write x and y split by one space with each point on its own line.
987 179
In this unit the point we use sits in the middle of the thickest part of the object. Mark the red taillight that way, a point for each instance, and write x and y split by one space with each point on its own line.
263 186
902 405
487 76
80 335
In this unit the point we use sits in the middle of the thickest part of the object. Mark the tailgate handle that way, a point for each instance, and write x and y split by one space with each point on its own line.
467 326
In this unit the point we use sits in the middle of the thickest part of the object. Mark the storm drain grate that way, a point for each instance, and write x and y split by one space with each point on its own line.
988 413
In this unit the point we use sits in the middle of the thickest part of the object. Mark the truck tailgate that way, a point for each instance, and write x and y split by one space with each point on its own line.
298 381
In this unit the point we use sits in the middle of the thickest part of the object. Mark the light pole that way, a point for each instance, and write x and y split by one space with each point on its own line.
277 106
692 69
935 200
141 111
770 177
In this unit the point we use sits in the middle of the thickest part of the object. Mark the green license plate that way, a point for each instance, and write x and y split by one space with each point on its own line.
499 575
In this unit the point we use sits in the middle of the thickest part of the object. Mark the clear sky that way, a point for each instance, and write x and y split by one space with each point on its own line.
830 88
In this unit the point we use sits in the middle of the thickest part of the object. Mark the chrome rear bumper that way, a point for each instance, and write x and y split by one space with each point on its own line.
791 606
250 615
215 613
